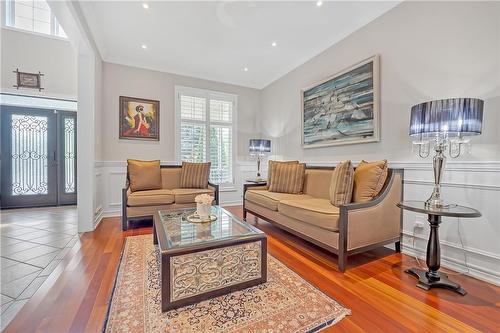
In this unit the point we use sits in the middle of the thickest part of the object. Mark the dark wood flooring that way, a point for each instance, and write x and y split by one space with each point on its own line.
381 296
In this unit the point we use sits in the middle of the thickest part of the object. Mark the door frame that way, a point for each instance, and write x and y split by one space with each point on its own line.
55 156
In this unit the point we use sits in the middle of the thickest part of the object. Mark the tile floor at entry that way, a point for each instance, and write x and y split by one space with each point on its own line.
33 243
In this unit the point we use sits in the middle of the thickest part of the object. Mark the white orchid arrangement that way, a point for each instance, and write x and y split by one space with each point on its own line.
204 199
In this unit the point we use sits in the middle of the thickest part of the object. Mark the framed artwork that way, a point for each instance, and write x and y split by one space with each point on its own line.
139 119
344 108
28 80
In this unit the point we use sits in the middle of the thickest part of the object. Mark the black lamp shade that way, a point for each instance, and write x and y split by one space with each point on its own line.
259 146
453 117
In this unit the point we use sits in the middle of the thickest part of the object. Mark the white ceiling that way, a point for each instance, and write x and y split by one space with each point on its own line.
217 40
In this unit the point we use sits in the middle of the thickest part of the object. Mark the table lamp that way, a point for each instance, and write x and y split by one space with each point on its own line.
444 125
257 148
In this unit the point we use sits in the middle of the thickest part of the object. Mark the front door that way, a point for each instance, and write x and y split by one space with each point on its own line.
38 153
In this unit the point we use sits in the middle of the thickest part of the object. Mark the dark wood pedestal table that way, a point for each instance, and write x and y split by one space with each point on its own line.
433 278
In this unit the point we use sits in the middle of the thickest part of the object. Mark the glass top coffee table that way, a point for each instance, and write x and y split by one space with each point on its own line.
205 260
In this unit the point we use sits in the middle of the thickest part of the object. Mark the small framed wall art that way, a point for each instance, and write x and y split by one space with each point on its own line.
139 119
28 80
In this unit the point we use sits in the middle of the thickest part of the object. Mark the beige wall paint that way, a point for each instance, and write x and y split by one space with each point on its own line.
119 80
55 58
428 50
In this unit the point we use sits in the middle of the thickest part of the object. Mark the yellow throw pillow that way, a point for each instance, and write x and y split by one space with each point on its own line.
195 175
288 178
342 183
144 175
272 168
369 178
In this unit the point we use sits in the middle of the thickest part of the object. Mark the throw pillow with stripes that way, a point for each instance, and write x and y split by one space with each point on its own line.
342 183
288 178
195 175
271 169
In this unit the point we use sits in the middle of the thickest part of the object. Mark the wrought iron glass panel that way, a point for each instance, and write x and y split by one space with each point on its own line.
29 155
69 155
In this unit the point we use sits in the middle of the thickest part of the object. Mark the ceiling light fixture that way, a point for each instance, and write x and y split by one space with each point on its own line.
145 6
245 69
319 3
274 44
144 46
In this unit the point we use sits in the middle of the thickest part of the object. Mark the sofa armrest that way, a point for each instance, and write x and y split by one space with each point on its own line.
379 220
215 187
125 191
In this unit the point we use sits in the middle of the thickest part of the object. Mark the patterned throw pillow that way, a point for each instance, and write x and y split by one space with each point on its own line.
288 178
369 179
195 175
342 183
272 168
144 175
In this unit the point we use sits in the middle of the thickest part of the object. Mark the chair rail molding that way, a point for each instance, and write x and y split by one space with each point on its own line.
470 183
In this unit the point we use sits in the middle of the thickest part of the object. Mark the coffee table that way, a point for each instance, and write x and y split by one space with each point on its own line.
200 261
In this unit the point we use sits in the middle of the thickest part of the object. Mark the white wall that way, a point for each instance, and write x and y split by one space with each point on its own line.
54 57
428 50
120 80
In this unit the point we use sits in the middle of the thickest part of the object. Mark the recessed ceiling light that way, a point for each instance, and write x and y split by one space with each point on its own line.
245 69
319 3
145 6
144 46
274 44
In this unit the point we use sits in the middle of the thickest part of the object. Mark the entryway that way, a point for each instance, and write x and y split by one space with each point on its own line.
38 157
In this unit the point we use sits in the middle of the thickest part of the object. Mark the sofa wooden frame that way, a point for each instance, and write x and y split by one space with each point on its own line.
126 219
342 251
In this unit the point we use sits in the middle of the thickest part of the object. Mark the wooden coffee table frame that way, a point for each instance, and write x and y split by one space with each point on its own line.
159 237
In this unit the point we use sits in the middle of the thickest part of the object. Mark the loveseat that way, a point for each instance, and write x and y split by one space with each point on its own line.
345 230
143 204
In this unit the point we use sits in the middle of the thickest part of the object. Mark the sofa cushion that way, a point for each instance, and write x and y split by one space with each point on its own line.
187 195
150 198
318 212
144 175
288 178
341 184
195 175
270 200
271 169
369 178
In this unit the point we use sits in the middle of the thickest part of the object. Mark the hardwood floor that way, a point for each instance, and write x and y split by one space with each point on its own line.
381 296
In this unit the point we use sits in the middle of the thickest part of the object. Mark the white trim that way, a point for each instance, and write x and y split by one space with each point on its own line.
472 269
38 34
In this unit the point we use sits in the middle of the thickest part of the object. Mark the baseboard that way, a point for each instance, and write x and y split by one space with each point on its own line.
471 269
231 203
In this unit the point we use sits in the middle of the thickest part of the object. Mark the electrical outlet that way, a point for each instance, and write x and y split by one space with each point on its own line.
418 224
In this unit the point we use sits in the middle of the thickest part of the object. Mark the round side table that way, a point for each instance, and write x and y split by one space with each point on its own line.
433 278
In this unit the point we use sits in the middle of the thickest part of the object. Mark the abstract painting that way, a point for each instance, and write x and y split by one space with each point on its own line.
139 119
342 109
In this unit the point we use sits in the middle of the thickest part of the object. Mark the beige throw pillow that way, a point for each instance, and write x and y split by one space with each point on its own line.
144 175
342 183
369 178
195 175
288 178
272 168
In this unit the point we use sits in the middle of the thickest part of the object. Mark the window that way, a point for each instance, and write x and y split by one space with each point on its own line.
32 15
205 130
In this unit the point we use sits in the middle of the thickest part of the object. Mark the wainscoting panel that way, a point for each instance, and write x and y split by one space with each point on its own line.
471 246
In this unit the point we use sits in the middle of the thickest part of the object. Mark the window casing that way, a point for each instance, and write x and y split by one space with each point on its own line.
205 131
31 15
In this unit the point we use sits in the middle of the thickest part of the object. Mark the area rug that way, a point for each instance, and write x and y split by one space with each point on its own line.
286 303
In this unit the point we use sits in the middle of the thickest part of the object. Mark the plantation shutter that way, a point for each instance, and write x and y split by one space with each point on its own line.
206 131
193 128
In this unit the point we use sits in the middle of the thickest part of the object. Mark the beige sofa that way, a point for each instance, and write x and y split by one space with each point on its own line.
344 230
143 204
